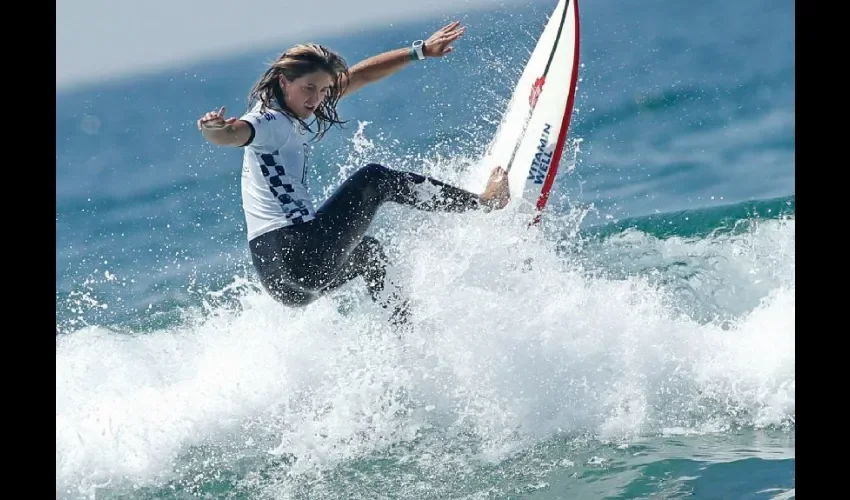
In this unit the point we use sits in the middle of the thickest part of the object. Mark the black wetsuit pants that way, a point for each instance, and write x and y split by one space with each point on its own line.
298 264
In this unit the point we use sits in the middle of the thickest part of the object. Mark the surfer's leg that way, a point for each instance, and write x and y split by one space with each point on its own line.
271 257
296 263
373 185
344 218
369 261
350 210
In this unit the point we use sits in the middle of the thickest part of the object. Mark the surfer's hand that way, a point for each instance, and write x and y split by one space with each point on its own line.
439 44
214 120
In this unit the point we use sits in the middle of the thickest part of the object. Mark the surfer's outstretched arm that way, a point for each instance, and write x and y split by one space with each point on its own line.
385 64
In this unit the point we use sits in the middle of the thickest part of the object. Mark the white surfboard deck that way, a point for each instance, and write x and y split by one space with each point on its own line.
531 137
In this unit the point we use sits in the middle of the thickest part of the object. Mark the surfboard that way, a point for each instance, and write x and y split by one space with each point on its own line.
529 141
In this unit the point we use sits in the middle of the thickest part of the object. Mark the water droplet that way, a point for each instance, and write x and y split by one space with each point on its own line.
90 124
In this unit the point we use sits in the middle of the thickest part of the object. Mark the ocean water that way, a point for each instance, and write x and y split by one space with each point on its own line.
639 344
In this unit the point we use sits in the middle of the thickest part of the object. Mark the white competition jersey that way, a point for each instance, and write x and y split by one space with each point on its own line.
274 171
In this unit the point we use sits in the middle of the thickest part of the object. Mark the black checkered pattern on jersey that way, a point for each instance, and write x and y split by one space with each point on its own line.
273 171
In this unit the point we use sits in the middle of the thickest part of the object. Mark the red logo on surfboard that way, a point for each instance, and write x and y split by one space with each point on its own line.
536 89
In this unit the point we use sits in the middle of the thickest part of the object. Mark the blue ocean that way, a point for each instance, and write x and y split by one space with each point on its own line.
638 343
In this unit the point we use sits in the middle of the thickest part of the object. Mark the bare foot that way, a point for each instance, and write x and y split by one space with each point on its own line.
497 193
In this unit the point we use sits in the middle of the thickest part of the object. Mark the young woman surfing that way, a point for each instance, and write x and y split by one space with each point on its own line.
301 252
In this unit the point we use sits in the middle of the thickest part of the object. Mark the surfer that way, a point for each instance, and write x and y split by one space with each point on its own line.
301 252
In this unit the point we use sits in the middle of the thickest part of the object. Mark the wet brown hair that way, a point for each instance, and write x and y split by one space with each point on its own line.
300 60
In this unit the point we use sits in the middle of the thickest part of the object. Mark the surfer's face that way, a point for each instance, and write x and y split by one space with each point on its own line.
306 93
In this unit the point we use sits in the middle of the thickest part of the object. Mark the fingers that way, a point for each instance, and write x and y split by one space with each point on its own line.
450 31
453 34
439 43
449 26
215 118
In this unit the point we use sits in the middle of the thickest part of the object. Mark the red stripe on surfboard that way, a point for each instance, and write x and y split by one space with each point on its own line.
565 125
